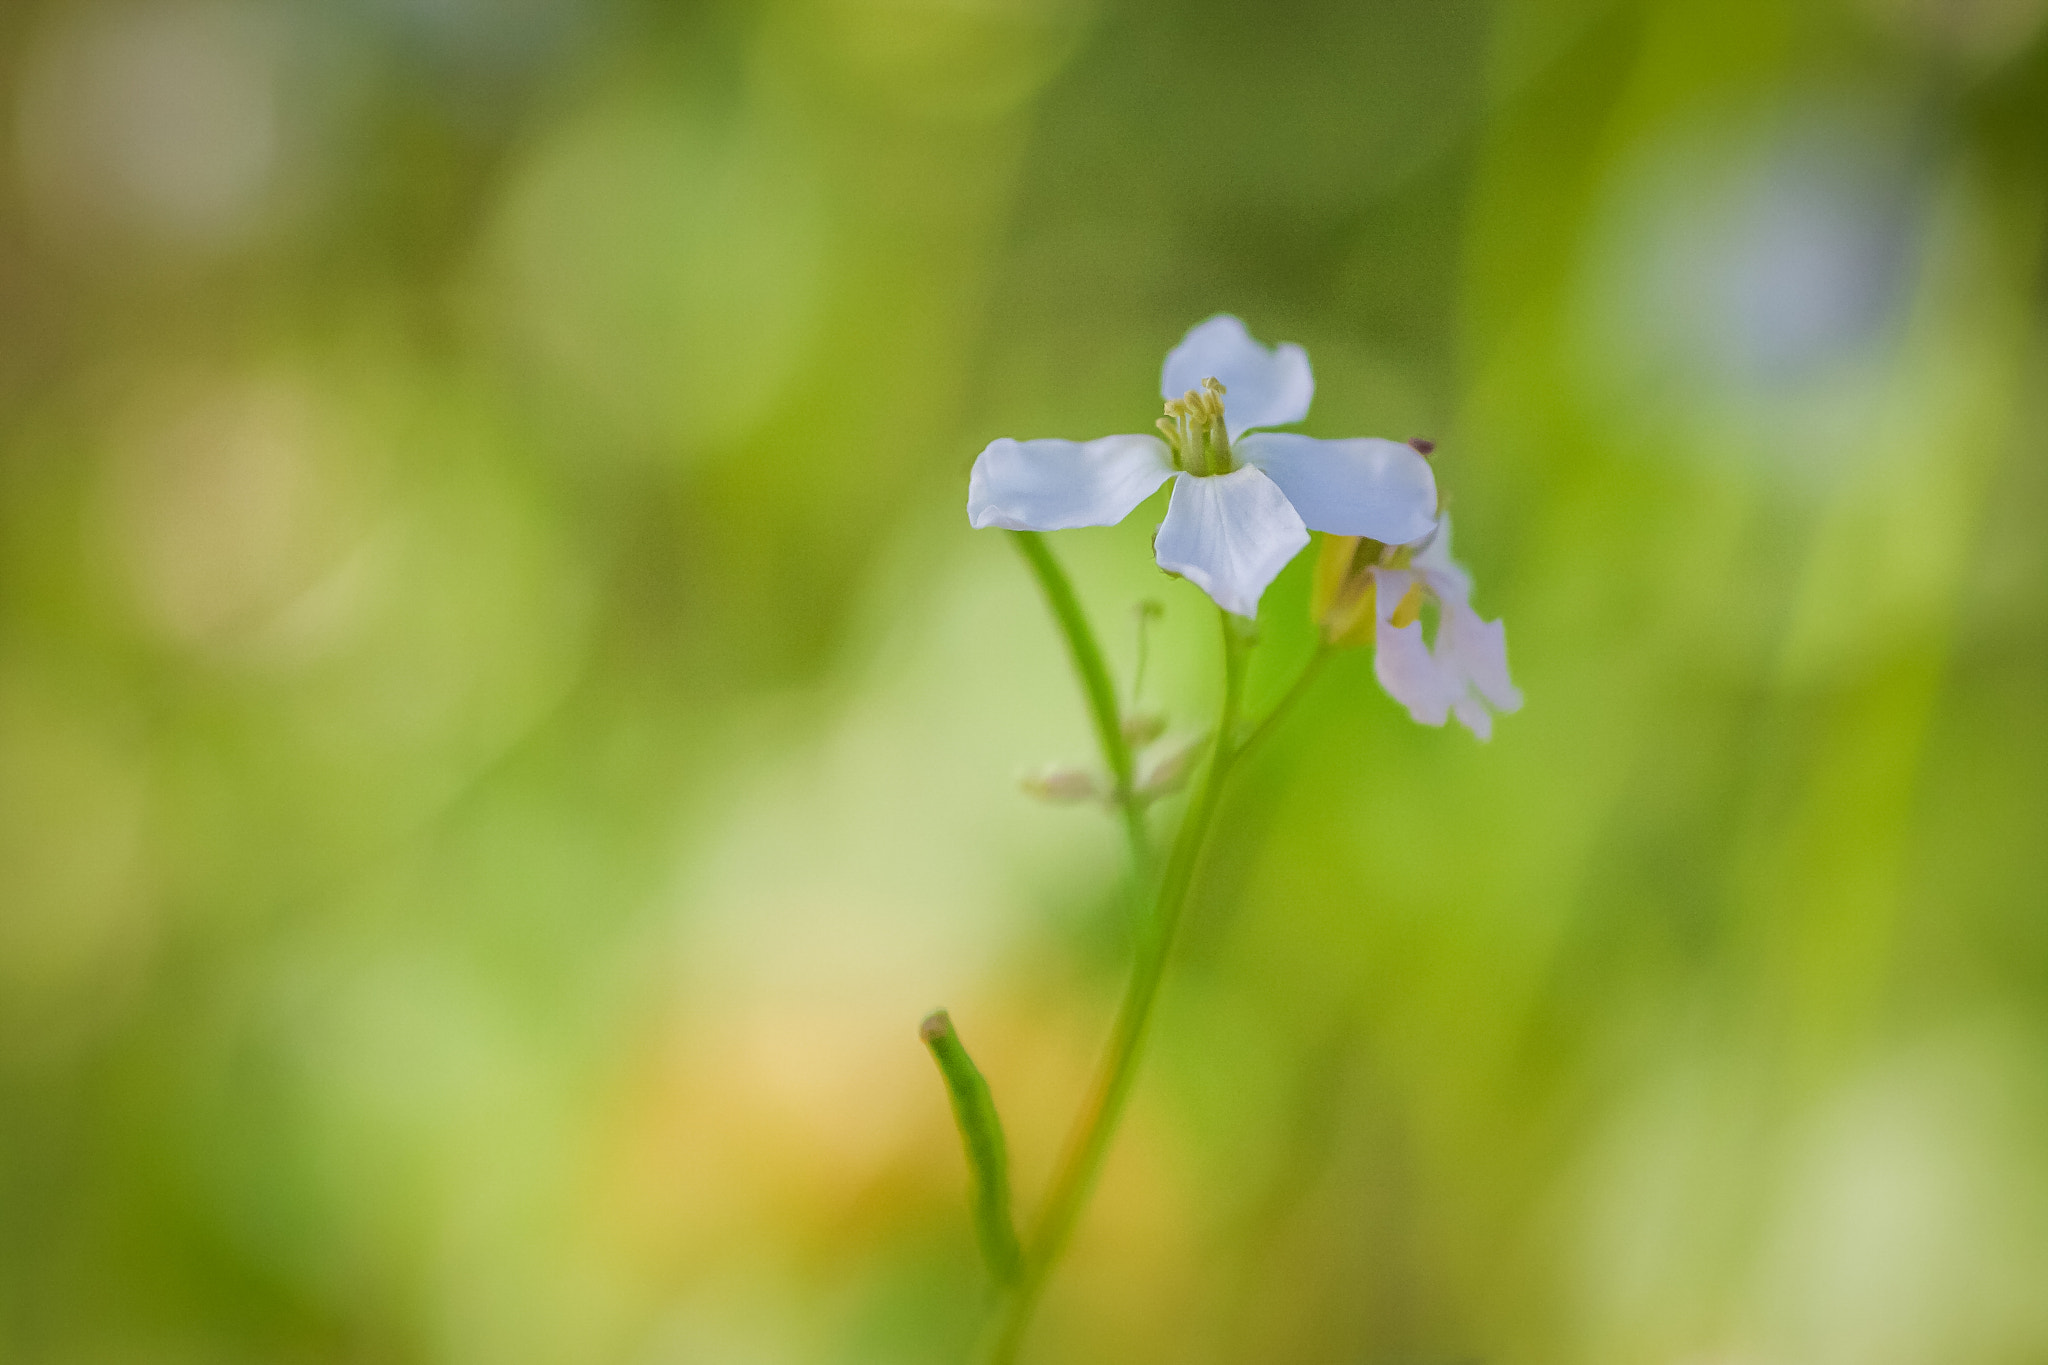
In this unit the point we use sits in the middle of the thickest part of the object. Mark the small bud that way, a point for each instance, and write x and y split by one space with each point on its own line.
1341 595
1422 445
1061 784
1142 727
1169 772
1350 623
1332 573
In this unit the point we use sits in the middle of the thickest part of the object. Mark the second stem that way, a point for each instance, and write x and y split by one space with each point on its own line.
1089 1139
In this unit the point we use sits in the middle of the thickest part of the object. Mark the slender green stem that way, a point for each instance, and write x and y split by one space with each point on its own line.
981 1133
1264 729
1089 1140
1096 685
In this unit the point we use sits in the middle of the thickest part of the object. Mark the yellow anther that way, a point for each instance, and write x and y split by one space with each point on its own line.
1195 428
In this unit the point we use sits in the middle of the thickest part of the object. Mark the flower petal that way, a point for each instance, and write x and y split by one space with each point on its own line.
1053 485
1473 716
1405 667
1481 650
1432 557
1461 672
1262 387
1401 660
1359 487
1473 650
1229 534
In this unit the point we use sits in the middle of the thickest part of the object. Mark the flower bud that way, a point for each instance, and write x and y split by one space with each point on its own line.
1341 595
1169 772
1142 727
1062 784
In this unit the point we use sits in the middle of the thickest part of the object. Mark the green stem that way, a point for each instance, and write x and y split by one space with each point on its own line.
1089 1141
981 1133
1265 728
1096 684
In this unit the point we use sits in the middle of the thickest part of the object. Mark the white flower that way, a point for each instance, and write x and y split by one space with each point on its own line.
1465 669
1242 503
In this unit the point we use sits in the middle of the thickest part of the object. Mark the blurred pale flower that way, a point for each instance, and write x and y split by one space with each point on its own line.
1379 595
1161 774
1242 503
1169 771
1062 784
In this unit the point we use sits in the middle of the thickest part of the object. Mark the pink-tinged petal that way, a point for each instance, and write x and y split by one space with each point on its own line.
1054 485
1462 671
1229 535
1362 486
1402 661
1389 587
1405 667
1473 716
1263 386
1481 651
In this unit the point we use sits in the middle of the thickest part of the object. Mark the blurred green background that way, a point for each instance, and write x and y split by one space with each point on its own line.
504 728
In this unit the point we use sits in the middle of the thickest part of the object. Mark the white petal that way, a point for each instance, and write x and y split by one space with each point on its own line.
1404 664
1229 535
1405 667
1473 716
1465 669
1390 586
1480 649
1435 552
1359 487
1261 387
1052 485
1447 578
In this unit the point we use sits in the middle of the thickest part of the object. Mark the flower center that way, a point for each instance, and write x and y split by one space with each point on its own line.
1194 427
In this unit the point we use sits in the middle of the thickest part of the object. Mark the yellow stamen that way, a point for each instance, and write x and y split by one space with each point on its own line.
1194 426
